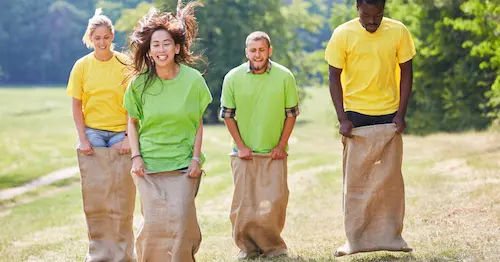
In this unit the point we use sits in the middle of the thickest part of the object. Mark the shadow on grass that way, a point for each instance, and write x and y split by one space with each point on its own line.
384 257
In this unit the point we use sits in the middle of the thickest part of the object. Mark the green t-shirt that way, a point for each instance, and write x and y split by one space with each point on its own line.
260 101
169 113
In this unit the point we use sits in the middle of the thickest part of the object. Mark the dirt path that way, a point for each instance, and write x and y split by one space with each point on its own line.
48 179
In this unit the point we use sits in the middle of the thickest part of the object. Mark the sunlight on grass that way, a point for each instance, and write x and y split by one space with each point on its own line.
451 184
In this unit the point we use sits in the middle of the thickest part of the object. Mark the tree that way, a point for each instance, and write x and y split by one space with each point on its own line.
482 20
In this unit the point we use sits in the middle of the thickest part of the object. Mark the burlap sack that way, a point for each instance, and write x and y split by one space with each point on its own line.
170 230
373 190
258 209
108 193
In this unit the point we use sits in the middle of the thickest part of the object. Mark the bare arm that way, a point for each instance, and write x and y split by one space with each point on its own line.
243 151
405 91
138 166
194 166
83 143
279 152
336 94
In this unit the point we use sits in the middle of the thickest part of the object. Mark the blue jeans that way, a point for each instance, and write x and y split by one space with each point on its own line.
103 138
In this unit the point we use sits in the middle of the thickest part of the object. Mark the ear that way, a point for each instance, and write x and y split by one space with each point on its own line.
246 53
270 51
177 48
112 36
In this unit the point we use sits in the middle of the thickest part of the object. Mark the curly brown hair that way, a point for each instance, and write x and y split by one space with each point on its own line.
183 28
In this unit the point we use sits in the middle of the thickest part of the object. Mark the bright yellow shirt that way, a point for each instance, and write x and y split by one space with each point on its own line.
100 85
370 64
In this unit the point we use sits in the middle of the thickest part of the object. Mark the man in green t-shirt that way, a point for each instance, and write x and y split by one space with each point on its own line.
259 105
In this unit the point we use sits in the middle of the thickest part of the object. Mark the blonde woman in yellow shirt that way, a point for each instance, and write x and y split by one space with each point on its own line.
97 84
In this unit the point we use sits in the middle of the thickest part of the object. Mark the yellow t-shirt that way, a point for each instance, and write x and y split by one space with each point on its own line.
100 85
370 64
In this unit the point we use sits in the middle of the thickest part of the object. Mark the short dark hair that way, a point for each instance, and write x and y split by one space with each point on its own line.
371 2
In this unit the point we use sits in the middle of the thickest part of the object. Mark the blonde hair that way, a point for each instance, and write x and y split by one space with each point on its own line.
258 35
97 20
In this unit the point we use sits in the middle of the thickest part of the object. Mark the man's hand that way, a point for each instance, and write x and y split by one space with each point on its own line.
138 166
85 147
245 153
400 123
279 152
345 128
194 170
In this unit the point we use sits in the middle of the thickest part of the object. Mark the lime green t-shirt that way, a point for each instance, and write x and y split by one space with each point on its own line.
100 85
260 101
370 64
169 113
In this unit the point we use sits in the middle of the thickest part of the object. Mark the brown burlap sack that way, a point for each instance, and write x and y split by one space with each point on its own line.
373 190
258 209
170 230
108 193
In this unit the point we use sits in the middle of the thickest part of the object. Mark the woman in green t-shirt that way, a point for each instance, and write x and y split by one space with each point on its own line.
165 103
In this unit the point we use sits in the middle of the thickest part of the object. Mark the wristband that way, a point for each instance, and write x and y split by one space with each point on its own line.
196 159
132 158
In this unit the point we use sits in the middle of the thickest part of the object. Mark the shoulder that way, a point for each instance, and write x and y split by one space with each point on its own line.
235 72
192 72
138 81
84 60
122 58
192 75
281 70
347 27
394 25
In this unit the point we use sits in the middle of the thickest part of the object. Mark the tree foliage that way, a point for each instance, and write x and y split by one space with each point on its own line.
454 85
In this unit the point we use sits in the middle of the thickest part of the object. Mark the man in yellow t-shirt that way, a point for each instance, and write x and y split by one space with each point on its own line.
370 60
370 68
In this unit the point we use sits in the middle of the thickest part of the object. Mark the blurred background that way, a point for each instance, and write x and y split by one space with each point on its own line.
456 70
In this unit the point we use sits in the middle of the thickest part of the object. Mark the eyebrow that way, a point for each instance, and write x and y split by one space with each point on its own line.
170 40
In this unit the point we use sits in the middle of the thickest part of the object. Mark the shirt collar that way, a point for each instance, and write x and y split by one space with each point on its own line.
268 67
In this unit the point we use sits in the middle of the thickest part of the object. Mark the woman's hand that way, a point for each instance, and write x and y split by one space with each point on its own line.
194 170
85 147
138 166
125 147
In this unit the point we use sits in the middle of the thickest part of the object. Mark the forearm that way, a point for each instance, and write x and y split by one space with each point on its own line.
133 136
405 87
287 131
198 140
336 92
78 118
232 126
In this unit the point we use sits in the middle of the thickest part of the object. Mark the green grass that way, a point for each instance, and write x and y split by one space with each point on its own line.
451 184
36 134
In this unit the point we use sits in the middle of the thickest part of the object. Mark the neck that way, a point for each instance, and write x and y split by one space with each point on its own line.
103 55
168 72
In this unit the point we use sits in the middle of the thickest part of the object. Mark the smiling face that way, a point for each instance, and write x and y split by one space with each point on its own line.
370 16
102 38
163 48
258 53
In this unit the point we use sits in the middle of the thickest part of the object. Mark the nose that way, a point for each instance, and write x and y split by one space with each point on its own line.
371 20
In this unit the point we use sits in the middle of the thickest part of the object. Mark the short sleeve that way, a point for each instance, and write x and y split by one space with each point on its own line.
335 53
132 102
227 97
75 82
205 95
291 97
406 48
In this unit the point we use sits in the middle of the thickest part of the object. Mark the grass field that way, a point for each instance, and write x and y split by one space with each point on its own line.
452 195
